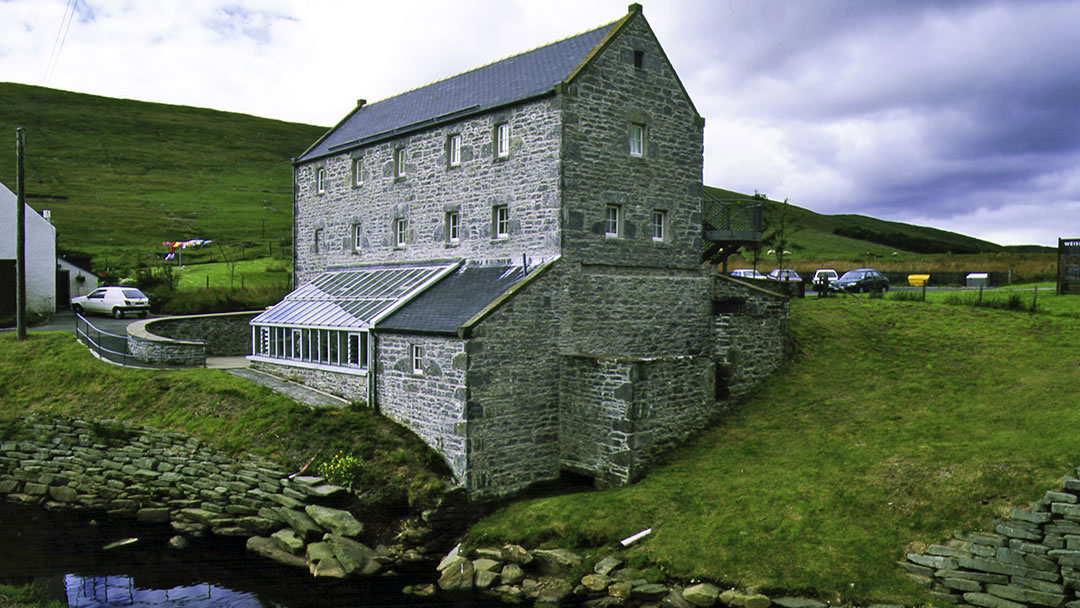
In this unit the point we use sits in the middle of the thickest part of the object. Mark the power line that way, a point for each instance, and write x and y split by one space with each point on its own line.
61 38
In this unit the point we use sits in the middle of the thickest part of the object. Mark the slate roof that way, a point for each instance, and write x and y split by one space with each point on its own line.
531 74
352 299
447 305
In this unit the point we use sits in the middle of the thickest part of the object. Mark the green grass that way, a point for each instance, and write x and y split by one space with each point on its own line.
26 596
50 373
1021 297
897 423
262 272
123 176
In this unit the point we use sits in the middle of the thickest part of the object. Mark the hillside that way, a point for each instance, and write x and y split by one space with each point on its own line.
816 235
122 176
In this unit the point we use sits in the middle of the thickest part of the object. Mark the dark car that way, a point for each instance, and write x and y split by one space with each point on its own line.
860 280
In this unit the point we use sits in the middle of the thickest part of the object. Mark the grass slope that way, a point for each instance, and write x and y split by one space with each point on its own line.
897 423
51 373
122 176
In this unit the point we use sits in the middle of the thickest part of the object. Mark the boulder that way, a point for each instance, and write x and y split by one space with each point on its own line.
301 523
650 592
457 576
553 593
355 557
556 561
595 582
703 594
757 600
450 558
264 547
511 574
606 565
337 521
485 579
288 541
484 563
65 494
516 554
153 515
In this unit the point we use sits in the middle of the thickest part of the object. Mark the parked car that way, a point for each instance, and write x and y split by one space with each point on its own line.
860 280
748 273
113 301
822 278
785 274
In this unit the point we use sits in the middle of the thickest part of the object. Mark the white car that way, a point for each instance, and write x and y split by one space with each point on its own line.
824 276
113 301
785 274
748 273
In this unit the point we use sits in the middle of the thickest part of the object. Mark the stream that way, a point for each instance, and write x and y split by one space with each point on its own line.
65 554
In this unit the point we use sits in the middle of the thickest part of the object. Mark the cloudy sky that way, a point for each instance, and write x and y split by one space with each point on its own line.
963 115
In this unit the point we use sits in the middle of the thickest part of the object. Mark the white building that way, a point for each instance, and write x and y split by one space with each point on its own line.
40 258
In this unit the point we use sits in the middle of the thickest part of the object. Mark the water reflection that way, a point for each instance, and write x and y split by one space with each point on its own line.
114 591
64 555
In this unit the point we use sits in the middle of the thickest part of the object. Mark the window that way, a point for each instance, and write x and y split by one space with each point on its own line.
637 139
399 232
316 238
357 236
453 150
399 162
659 224
502 140
639 59
500 221
307 345
320 179
417 356
358 171
453 226
613 220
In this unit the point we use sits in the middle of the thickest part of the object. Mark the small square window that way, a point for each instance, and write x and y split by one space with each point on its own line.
453 226
399 232
639 59
502 140
637 139
500 220
417 356
453 150
320 179
659 225
399 162
613 220
357 236
358 171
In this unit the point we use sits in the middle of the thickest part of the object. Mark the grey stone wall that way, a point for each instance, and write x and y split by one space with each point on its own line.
350 386
527 181
606 98
513 376
154 476
225 334
751 334
1032 558
149 348
431 404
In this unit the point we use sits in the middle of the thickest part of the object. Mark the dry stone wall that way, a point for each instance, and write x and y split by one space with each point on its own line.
1032 558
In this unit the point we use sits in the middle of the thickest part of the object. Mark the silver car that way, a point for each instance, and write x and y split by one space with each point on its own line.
113 301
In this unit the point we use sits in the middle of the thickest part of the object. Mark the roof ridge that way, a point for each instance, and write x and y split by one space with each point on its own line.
494 62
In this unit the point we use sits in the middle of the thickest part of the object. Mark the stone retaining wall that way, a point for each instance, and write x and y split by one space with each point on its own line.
1032 558
118 470
225 334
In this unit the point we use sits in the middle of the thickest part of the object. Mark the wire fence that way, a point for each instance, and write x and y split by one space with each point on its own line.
108 346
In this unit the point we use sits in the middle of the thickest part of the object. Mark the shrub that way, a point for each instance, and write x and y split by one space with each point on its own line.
342 469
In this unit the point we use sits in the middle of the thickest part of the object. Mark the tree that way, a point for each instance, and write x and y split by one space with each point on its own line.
779 226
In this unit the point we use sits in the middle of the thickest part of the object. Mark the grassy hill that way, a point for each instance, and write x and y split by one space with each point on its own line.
896 423
122 176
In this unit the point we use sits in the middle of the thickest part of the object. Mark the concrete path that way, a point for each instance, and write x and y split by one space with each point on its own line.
298 392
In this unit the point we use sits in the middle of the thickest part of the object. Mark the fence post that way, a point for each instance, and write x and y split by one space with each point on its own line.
208 281
1035 298
924 291
980 294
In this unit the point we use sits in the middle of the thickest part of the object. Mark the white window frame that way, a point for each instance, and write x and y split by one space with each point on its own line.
416 356
613 220
502 140
399 163
320 180
312 347
400 232
357 236
358 171
453 227
453 149
500 221
659 224
637 139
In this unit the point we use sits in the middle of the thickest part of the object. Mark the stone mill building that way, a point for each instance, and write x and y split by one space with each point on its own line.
510 263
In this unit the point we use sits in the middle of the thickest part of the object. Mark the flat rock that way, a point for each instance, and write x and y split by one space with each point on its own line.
337 521
702 594
355 557
511 574
458 576
556 561
264 547
607 564
302 523
288 541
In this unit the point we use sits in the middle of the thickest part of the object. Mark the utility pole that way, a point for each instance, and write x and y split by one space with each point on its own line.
20 237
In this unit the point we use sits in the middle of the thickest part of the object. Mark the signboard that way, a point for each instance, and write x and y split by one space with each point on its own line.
1068 266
